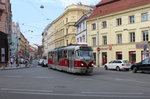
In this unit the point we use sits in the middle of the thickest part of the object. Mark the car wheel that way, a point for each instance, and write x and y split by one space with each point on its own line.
117 68
134 70
106 68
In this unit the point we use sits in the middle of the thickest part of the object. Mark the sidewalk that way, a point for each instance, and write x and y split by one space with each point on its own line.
13 66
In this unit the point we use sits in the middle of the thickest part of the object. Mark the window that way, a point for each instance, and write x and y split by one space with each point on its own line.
119 21
144 16
104 24
131 19
84 25
84 38
119 38
66 31
80 39
105 40
94 41
146 61
132 37
145 35
119 55
2 1
66 20
94 26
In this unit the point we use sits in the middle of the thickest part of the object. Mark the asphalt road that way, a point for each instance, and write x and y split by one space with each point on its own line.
38 82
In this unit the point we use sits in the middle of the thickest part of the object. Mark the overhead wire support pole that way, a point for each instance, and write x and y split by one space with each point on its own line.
98 46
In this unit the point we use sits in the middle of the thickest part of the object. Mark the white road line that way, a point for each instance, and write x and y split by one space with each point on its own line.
26 90
84 95
112 93
82 79
44 77
11 76
130 80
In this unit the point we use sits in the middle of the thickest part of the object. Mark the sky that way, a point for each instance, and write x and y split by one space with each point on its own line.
33 19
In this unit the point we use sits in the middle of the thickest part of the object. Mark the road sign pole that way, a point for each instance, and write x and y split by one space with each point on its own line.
97 26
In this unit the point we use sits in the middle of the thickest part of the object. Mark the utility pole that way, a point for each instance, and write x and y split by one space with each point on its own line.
98 46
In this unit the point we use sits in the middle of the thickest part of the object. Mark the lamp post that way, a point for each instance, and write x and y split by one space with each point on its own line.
98 46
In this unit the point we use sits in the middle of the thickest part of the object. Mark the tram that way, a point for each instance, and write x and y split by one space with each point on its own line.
73 58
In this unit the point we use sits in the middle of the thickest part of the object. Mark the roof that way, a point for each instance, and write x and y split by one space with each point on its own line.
106 7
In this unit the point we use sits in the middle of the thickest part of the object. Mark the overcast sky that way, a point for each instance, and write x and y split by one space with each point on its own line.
32 19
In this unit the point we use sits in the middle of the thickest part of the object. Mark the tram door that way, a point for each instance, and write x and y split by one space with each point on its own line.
71 59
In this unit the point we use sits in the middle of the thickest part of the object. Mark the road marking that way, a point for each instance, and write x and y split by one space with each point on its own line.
26 90
112 93
84 95
11 76
44 77
131 80
82 79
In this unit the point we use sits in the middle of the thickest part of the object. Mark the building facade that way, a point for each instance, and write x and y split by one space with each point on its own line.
61 32
121 29
81 31
24 46
5 30
14 44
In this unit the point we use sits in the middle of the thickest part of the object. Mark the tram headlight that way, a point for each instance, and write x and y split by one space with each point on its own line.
82 64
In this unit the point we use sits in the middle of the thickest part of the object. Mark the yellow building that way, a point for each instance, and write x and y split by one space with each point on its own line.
61 31
123 27
23 46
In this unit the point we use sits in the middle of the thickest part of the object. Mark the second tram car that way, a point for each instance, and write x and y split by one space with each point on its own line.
74 59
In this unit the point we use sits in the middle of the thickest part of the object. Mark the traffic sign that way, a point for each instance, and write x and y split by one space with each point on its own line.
19 53
98 49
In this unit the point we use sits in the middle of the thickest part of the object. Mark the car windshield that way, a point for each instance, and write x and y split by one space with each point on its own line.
126 61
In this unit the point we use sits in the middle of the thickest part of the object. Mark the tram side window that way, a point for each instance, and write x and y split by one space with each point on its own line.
77 53
65 54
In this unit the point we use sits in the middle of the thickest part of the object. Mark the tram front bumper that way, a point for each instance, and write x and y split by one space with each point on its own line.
83 69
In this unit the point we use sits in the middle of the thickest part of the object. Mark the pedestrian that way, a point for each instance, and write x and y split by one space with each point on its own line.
11 60
17 63
26 62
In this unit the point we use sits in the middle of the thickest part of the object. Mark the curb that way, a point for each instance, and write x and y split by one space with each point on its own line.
12 68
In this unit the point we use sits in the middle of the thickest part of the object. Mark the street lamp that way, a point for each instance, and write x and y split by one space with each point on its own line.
98 46
41 6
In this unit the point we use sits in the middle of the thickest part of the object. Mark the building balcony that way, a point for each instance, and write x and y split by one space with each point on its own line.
2 7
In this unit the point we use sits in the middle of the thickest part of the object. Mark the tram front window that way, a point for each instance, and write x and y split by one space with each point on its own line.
85 53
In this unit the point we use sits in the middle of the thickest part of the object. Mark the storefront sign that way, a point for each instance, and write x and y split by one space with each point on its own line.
141 45
104 48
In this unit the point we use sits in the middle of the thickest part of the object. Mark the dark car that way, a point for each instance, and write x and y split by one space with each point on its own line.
141 66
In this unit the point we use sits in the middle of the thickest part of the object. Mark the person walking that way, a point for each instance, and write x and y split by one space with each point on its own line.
12 61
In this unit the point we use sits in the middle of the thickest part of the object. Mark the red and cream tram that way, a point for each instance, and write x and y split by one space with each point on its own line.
73 58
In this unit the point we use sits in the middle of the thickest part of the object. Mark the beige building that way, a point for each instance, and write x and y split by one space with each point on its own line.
121 28
24 46
61 31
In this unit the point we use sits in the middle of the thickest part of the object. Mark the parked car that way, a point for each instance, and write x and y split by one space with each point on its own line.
141 66
40 61
118 65
45 63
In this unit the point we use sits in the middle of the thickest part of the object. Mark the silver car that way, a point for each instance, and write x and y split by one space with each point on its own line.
118 65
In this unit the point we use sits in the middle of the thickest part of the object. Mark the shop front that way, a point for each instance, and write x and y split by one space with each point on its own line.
3 48
132 57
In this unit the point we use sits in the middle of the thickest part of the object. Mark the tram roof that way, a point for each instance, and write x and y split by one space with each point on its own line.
68 47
